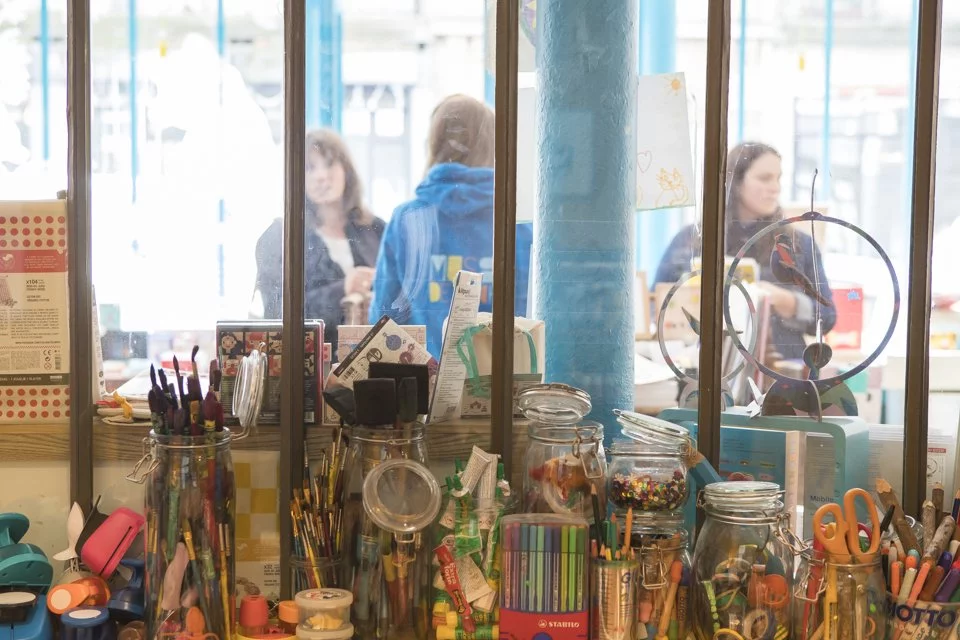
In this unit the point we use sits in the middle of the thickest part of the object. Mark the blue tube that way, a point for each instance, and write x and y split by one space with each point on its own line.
742 67
586 60
132 88
45 75
824 175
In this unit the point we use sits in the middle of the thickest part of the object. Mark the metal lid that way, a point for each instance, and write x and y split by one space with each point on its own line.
401 496
653 431
742 494
554 403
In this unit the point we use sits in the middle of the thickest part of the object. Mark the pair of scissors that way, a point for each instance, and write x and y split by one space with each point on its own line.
843 541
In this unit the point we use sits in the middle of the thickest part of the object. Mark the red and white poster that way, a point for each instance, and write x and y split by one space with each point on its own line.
34 309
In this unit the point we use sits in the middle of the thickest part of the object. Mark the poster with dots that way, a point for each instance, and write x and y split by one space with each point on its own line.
34 329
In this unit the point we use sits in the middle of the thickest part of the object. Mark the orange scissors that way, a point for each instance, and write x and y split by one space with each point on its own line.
844 539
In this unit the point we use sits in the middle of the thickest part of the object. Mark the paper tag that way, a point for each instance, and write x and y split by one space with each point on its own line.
472 582
486 518
463 315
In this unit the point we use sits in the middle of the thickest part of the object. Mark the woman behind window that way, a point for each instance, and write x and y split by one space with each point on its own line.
753 202
342 238
447 227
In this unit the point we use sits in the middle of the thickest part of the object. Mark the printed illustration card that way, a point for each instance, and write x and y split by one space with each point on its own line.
665 175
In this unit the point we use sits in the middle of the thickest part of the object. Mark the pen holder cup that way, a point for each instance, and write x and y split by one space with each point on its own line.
927 620
838 599
614 606
190 502
315 573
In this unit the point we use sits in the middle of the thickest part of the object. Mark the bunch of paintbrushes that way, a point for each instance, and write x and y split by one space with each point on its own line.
317 514
174 411
190 507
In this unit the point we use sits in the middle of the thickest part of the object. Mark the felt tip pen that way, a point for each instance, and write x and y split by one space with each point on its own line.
906 586
918 583
896 569
950 584
933 581
946 560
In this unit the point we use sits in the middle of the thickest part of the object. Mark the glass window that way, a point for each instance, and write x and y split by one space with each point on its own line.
34 463
944 405
187 117
821 119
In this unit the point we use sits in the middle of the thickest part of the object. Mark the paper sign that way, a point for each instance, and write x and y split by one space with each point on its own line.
665 175
463 315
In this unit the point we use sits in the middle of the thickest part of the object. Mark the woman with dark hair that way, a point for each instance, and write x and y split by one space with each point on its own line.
447 227
753 202
341 243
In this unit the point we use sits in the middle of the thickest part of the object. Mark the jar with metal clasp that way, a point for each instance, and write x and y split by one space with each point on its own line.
661 546
743 575
565 460
648 467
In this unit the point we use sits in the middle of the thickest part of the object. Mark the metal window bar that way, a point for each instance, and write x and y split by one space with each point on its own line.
79 263
504 224
292 429
714 198
921 240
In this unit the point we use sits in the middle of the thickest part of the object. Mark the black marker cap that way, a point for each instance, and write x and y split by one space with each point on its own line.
376 401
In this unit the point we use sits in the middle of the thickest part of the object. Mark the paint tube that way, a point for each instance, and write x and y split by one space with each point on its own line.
451 583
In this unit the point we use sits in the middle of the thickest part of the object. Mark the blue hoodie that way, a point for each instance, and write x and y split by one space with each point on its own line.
447 228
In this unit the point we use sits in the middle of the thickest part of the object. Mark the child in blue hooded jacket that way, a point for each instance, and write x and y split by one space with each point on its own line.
448 227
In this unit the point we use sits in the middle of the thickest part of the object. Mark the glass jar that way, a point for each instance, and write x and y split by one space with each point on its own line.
660 545
648 470
839 600
315 573
377 562
565 460
743 562
190 503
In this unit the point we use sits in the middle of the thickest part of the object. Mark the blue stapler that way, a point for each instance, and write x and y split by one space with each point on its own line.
126 605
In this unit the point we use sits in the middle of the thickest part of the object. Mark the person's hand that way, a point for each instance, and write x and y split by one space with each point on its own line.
359 280
784 303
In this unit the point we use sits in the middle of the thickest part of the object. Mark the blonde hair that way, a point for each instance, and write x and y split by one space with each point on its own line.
461 131
333 149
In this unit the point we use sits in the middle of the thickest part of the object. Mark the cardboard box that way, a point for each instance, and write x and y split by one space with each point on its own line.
350 335
236 339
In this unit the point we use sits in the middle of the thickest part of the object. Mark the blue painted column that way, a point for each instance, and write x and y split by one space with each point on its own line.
658 54
45 76
586 61
132 89
323 43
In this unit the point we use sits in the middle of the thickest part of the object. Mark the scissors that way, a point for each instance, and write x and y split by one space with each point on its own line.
844 540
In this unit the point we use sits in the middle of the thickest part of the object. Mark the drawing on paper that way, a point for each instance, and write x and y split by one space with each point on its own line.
673 189
674 84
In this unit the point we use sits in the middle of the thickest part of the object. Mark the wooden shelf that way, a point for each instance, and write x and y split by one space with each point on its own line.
50 442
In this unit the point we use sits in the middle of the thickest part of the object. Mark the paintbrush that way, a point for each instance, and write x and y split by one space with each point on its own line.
216 378
184 405
193 361
191 508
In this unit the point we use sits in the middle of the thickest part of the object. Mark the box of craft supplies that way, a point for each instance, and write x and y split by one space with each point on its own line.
235 339
545 583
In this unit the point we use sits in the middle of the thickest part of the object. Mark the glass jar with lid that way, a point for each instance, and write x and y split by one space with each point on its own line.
648 469
660 545
565 460
743 563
